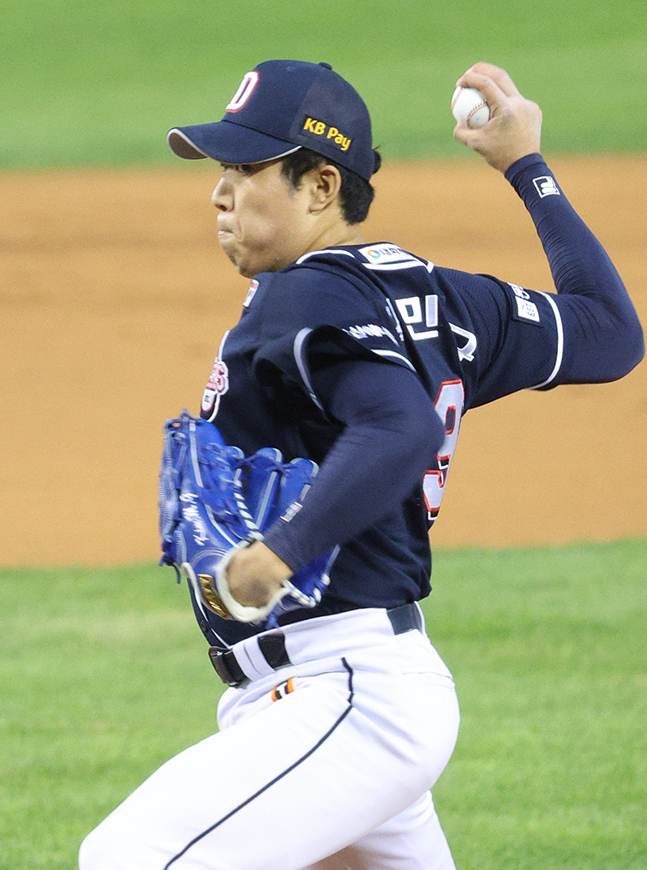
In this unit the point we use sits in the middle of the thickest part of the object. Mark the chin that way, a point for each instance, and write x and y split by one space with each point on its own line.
246 271
239 266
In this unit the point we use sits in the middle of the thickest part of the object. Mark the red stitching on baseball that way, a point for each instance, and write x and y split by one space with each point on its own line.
483 103
475 109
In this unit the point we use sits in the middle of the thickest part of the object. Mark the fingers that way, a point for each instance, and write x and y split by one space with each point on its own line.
493 82
486 75
514 128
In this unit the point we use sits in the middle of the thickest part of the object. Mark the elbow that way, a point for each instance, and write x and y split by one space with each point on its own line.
629 339
630 349
605 337
639 355
639 343
618 348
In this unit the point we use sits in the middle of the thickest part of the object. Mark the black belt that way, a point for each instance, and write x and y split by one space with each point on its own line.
404 618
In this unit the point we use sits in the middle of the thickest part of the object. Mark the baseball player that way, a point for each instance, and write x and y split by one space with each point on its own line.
363 357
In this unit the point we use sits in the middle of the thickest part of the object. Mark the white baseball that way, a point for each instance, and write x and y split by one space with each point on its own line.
469 107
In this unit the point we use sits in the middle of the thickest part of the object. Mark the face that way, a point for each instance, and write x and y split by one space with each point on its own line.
263 222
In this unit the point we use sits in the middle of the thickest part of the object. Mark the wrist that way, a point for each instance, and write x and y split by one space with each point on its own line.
521 164
255 574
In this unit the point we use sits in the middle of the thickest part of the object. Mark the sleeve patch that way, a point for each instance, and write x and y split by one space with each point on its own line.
525 310
546 186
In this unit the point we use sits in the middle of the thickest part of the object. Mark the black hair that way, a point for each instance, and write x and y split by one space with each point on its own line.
356 194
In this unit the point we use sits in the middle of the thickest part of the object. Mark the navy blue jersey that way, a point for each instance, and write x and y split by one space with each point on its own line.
376 301
469 339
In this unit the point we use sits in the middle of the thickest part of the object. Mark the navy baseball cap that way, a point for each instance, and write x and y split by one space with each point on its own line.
279 107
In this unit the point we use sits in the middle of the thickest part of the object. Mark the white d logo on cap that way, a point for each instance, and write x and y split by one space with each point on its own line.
244 92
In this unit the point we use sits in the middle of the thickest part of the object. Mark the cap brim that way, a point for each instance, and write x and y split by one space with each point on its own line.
227 143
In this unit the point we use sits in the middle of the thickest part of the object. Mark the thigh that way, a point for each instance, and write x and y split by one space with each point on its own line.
412 840
227 801
281 789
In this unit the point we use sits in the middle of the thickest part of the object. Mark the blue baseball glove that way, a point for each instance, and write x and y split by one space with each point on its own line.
212 501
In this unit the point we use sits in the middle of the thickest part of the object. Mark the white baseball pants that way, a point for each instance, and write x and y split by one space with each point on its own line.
332 775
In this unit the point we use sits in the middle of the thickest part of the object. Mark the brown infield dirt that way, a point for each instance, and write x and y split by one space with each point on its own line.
114 296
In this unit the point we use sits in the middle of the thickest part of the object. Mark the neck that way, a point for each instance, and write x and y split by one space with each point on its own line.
335 236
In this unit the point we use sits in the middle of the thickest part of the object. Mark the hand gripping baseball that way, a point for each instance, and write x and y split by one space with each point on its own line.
214 502
514 128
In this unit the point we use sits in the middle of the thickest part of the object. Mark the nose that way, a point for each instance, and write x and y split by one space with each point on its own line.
221 196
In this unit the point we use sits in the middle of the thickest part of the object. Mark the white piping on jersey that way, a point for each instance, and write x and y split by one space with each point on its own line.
429 266
560 342
391 267
324 251
297 349
394 354
303 371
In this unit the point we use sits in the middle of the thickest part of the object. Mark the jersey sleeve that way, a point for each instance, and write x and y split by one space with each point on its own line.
314 317
587 332
390 438
518 335
602 335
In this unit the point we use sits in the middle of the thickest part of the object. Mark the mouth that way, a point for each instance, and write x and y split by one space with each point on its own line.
225 236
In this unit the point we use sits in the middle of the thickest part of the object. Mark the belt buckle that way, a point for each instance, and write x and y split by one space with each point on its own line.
404 617
227 668
225 663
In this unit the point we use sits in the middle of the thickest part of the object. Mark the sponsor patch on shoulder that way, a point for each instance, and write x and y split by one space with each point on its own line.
525 308
253 287
385 253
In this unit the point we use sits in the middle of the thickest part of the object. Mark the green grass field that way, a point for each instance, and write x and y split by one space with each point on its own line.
104 675
93 83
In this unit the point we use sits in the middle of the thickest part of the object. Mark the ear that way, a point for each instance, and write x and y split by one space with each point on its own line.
325 185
